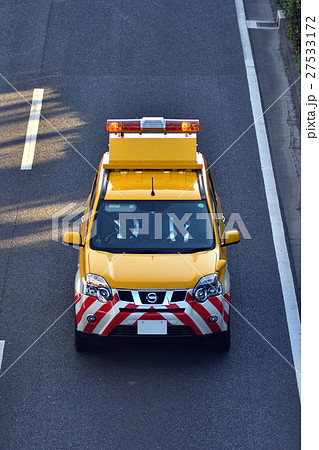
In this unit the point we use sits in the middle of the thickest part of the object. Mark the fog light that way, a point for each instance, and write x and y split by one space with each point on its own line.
213 319
91 319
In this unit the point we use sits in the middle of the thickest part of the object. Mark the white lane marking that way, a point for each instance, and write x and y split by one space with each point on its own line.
284 268
37 339
32 130
1 352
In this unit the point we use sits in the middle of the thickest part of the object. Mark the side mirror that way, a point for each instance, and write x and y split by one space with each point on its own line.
72 238
231 237
220 265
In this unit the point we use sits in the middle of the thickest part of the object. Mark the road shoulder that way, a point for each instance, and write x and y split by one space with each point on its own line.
270 49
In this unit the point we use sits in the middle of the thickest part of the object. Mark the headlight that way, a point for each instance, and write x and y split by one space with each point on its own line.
96 286
208 286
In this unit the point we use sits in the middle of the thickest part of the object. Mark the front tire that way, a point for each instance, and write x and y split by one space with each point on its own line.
223 340
81 342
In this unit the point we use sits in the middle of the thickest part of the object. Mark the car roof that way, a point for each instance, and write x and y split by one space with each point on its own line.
167 185
139 165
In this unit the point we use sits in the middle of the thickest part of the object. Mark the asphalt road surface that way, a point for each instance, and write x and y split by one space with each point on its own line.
99 59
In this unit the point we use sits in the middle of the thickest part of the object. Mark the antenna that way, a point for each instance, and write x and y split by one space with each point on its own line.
152 192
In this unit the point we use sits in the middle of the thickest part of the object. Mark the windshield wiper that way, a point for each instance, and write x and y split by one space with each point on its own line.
195 250
145 251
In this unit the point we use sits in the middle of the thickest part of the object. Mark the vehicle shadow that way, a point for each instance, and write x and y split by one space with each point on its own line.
155 353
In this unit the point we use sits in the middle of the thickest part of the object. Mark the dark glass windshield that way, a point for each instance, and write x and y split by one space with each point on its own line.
159 226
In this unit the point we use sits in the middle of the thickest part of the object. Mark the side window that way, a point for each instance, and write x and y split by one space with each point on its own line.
92 198
93 192
212 194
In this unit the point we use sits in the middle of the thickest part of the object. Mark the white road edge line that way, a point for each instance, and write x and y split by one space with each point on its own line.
285 273
32 130
1 352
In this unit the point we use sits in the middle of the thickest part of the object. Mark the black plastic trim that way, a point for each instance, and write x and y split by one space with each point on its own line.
104 183
201 186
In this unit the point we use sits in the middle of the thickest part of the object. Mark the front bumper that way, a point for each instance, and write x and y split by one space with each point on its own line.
118 319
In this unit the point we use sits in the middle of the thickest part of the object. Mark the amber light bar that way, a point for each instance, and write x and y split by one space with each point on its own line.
186 126
152 124
119 126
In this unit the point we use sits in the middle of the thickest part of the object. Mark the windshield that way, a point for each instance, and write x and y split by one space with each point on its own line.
146 226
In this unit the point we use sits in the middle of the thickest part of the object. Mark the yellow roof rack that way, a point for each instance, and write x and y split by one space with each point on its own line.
152 143
152 151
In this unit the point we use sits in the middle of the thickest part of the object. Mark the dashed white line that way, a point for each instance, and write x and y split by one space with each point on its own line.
284 268
32 130
1 352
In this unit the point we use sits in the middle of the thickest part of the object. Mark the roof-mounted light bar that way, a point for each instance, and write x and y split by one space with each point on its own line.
152 124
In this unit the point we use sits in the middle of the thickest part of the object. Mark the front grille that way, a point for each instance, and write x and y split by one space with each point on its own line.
160 297
124 330
180 330
156 310
126 296
131 330
178 296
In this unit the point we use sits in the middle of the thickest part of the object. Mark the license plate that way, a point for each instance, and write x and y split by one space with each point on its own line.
152 327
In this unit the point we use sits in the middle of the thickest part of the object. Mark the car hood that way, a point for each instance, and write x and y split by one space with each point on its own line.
169 271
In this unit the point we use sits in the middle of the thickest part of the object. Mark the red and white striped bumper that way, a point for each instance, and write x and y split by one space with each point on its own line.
118 312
